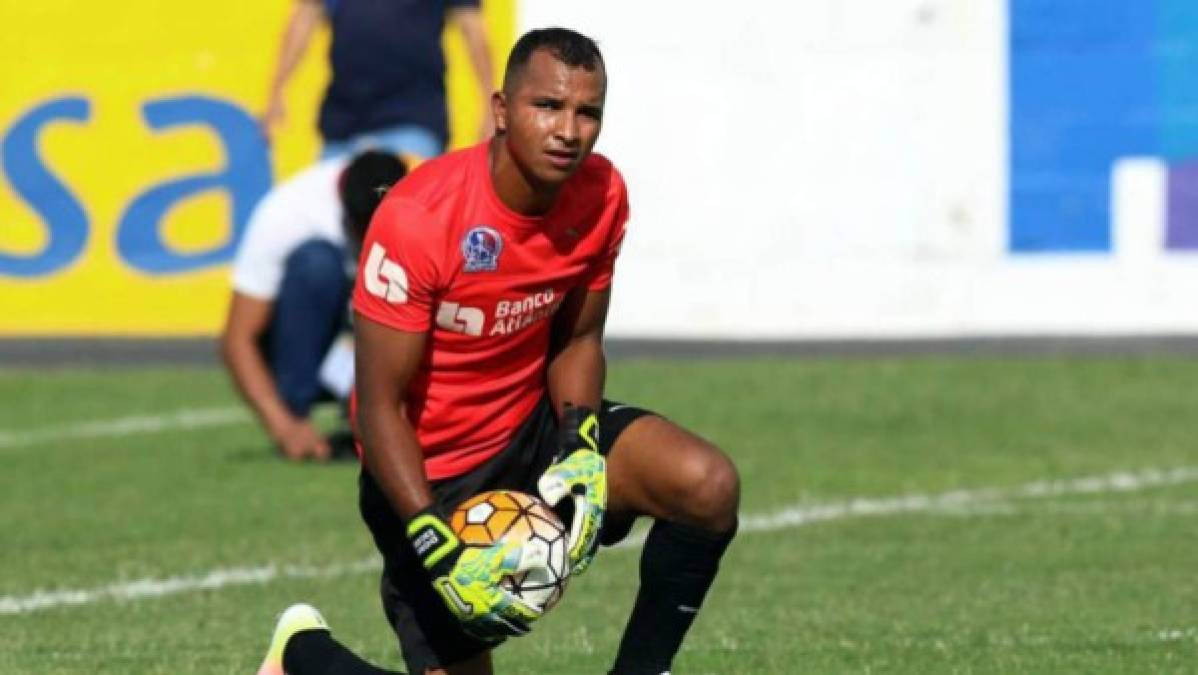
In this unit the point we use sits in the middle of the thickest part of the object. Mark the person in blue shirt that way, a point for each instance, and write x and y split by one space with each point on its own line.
387 89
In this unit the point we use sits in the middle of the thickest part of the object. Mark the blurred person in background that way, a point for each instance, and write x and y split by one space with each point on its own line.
292 278
387 88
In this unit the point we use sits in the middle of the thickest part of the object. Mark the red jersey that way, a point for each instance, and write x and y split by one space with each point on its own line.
444 255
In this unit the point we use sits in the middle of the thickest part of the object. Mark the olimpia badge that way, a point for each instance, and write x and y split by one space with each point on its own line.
480 248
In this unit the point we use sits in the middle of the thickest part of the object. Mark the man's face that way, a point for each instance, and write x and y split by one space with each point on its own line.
551 118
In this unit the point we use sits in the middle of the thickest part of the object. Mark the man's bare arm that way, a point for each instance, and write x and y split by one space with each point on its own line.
306 16
386 360
245 325
577 365
469 21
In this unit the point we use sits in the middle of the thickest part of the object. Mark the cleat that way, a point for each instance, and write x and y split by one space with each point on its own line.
296 618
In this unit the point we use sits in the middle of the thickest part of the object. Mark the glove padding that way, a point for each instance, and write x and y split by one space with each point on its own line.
583 475
467 577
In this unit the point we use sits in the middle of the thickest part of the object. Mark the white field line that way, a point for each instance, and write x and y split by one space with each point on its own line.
154 588
1087 508
201 418
1177 634
798 515
805 514
956 501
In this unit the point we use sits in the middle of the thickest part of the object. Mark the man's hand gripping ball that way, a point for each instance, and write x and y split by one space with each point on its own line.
467 578
583 474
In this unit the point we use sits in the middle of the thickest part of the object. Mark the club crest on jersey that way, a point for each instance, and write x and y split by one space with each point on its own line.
480 248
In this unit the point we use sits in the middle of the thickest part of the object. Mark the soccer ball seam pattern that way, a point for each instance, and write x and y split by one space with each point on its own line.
498 515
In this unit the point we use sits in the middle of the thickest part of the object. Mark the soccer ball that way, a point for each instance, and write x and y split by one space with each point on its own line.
507 515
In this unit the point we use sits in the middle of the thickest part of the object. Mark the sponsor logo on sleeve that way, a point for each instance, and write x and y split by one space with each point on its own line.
384 278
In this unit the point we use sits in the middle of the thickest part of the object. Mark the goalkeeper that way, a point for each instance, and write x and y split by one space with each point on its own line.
480 304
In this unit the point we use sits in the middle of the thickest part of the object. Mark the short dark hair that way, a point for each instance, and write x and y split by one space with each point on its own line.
363 184
570 47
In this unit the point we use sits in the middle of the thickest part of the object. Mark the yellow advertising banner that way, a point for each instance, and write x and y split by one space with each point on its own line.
131 155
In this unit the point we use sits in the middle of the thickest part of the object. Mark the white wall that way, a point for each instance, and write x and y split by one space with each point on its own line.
837 168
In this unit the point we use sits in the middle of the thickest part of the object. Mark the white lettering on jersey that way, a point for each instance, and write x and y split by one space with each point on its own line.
524 306
514 315
454 317
385 278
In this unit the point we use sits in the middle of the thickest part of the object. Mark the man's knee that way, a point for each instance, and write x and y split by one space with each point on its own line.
713 491
316 264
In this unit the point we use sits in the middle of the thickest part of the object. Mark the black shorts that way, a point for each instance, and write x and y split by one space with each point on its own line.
429 635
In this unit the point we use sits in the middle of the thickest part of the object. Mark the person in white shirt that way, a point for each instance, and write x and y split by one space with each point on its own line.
292 277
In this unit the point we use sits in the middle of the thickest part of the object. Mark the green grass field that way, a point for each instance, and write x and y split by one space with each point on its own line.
126 548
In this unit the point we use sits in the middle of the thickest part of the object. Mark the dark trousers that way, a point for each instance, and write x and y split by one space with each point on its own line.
310 310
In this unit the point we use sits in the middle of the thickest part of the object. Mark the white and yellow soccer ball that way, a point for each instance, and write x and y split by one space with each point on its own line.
508 515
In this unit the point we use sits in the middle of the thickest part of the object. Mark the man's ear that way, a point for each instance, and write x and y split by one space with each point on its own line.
499 112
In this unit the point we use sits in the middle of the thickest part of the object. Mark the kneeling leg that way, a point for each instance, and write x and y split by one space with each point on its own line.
692 490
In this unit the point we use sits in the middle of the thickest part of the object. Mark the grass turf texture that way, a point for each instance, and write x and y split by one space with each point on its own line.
1084 583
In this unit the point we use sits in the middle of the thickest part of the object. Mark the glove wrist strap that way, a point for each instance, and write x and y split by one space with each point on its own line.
579 428
434 541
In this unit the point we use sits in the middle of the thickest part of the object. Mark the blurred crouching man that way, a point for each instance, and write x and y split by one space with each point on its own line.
285 340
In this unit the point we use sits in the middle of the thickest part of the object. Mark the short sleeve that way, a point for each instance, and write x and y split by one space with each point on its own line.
258 265
600 275
398 273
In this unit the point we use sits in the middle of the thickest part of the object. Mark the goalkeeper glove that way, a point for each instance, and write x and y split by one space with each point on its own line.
583 474
467 577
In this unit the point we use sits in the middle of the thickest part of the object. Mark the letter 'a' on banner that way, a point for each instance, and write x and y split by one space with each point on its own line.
131 163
